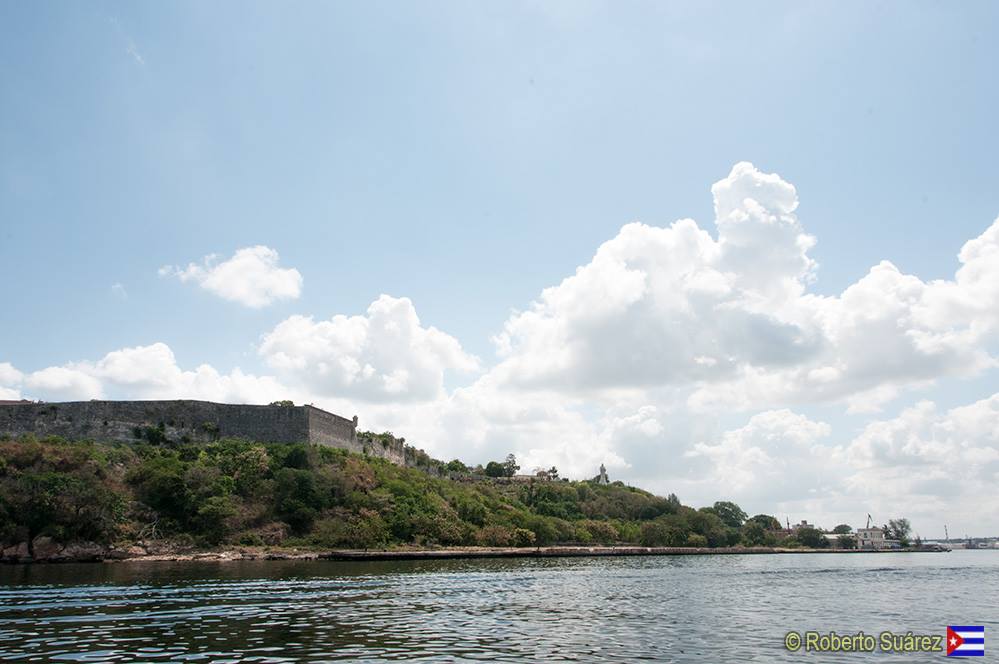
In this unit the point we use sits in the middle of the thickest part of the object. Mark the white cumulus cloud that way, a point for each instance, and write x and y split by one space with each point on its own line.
731 319
385 355
934 465
252 277
148 372
775 456
10 380
68 383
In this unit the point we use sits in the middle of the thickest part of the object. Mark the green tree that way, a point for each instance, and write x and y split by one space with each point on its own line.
730 513
899 529
842 529
159 483
811 537
510 465
55 498
753 534
766 521
213 518
297 498
708 524
33 500
663 532
495 469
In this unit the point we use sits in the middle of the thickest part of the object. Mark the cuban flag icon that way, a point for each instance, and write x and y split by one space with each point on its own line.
966 641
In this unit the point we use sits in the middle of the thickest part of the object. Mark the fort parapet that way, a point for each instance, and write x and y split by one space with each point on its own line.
199 421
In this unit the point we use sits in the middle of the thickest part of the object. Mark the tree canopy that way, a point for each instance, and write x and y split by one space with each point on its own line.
236 492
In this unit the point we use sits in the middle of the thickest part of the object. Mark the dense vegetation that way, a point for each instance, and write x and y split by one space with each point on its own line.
238 493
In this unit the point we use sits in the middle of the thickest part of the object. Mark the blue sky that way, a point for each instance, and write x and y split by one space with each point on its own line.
467 156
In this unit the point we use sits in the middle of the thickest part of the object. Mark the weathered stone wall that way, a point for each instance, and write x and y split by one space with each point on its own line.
329 429
393 449
196 421
200 421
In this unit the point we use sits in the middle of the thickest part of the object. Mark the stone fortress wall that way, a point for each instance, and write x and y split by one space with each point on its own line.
197 421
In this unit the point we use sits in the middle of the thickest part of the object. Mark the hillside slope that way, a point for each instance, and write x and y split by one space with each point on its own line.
235 492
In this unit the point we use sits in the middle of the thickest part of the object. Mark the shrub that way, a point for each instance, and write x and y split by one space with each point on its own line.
159 483
495 536
356 531
213 518
697 540
601 531
523 537
662 533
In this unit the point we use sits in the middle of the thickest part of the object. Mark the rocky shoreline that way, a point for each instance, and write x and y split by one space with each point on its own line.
48 551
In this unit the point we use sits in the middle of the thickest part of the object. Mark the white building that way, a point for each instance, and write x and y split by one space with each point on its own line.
871 538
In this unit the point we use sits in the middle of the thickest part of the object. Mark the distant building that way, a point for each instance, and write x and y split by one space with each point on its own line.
804 524
874 538
870 538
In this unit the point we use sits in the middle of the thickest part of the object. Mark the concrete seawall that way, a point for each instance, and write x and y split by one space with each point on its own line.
50 552
572 551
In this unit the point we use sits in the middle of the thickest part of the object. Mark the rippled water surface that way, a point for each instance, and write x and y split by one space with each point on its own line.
681 609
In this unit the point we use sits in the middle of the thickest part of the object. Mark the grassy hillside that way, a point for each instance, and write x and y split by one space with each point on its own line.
238 493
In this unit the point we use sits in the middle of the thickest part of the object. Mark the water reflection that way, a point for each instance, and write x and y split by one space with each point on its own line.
663 609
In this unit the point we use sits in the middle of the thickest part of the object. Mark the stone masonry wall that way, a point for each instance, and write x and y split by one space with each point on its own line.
329 429
200 421
195 421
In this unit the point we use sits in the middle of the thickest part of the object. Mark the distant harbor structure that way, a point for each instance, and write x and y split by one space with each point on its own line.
190 421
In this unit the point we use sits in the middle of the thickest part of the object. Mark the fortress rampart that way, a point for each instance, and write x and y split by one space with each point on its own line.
199 421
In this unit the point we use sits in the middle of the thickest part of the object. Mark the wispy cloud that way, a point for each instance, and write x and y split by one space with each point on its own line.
134 52
130 46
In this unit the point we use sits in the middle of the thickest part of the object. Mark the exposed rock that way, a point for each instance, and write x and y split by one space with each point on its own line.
16 553
84 551
166 547
46 548
274 533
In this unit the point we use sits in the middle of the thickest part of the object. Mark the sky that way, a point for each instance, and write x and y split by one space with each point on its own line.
735 252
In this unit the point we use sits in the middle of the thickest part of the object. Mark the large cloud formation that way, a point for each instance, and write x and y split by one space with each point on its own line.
943 464
146 372
385 355
731 317
687 359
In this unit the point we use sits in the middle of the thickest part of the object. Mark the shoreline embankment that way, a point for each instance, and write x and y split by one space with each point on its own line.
92 553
